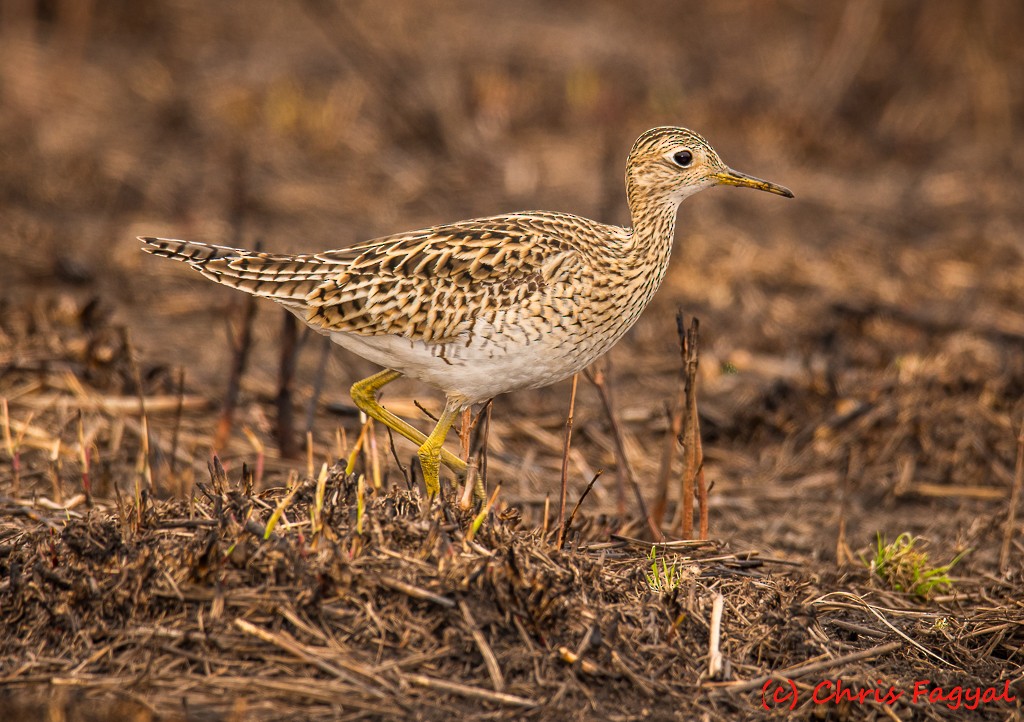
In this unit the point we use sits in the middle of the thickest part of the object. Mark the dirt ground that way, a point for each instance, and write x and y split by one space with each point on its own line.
861 367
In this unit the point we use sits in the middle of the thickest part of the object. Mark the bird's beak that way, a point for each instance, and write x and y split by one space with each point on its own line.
731 177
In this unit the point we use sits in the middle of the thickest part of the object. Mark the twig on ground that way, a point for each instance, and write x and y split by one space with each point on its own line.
1011 514
497 679
472 692
563 489
715 637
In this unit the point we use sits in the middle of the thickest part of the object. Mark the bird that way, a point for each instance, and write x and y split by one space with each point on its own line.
486 306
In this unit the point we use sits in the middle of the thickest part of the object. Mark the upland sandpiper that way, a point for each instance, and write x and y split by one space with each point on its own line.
486 306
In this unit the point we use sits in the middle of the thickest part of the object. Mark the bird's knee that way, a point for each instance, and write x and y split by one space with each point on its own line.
361 395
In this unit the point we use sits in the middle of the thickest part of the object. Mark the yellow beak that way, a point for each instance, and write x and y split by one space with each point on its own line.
731 177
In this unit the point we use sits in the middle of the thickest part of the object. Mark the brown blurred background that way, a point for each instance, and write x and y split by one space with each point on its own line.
311 125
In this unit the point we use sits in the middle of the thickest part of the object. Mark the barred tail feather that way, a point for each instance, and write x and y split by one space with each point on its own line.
286 279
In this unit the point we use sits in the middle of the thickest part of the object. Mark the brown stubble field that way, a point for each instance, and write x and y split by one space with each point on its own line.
861 367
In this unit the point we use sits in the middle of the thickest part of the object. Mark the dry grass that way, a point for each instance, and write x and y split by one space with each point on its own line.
860 367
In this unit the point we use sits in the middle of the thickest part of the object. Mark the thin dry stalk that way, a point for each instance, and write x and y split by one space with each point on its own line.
599 379
693 453
600 382
285 428
465 431
491 661
309 454
286 643
179 409
318 382
144 472
476 469
675 430
354 454
1011 515
241 344
572 516
374 453
563 488
317 509
471 692
84 458
260 448
668 453
843 554
466 499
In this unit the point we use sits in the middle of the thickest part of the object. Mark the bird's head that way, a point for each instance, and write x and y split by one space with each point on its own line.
669 164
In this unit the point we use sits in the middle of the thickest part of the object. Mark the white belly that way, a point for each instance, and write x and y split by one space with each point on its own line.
485 363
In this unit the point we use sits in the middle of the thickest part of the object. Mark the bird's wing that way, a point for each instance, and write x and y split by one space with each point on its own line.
430 285
433 285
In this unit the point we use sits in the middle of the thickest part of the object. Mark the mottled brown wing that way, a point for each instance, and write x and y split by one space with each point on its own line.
428 285
432 286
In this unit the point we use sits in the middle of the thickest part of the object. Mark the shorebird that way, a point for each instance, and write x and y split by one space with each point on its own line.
486 306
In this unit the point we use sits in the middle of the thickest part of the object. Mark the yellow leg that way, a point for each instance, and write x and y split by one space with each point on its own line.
364 394
432 448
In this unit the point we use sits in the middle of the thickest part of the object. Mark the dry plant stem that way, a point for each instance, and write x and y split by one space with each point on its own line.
285 428
568 523
484 434
668 452
293 647
563 488
318 382
493 669
145 470
471 692
675 431
465 429
715 637
177 420
843 554
702 494
1011 515
241 343
309 454
466 499
693 461
12 450
600 383
599 377
374 452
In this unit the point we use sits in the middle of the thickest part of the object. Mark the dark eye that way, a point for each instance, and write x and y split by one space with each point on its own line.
683 158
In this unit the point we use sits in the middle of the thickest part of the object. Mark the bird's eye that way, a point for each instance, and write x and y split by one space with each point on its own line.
683 158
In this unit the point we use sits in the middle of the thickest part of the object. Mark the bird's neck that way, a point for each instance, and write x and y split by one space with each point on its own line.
654 223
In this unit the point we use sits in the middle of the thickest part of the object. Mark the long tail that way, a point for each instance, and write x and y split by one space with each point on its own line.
285 279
